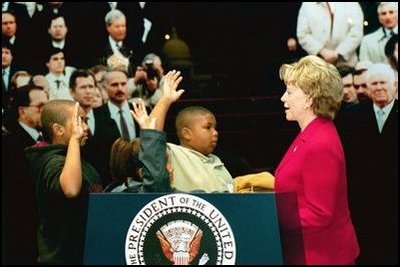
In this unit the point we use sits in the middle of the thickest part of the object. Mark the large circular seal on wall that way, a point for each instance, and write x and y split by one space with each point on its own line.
180 229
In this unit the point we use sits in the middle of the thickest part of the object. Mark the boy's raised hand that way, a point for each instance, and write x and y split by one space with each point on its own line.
171 82
77 124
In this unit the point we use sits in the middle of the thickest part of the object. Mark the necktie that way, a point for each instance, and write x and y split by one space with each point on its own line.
40 138
380 120
124 127
58 82
5 79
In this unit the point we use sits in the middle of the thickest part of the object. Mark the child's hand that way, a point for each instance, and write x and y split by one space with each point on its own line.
139 113
171 82
77 124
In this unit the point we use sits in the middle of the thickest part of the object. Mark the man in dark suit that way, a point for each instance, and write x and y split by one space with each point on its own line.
24 55
8 70
112 120
116 45
18 188
59 38
370 137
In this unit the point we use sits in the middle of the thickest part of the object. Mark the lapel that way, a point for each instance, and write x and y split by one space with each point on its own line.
300 142
289 153
391 119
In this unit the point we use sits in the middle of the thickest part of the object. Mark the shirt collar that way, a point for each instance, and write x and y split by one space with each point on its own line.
115 109
59 45
385 109
7 70
31 131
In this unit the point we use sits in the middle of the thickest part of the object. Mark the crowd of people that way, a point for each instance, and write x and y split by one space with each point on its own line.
84 111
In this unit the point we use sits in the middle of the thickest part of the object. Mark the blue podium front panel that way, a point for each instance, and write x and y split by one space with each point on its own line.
127 228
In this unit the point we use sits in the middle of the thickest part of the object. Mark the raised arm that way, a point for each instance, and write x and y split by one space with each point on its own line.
169 96
71 175
153 145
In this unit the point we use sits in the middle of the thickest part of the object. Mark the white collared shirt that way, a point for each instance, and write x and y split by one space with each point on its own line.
395 30
114 111
114 46
6 76
90 121
63 91
113 5
12 40
386 110
31 131
59 45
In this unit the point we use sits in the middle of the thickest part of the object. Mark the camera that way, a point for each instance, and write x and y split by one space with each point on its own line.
150 70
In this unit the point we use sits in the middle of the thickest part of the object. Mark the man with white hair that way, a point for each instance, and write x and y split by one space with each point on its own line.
370 140
373 45
117 52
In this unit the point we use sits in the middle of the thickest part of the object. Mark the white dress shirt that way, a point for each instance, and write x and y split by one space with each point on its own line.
114 111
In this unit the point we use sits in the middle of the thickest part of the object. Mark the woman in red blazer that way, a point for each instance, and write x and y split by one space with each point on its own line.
314 165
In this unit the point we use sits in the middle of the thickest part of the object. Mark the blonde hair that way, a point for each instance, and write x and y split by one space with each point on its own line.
319 80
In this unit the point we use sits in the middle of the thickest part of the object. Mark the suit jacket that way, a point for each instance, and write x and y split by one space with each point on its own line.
18 199
372 162
314 29
314 167
127 50
373 46
98 148
6 92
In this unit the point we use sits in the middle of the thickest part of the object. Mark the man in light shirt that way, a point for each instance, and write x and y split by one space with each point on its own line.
373 45
58 76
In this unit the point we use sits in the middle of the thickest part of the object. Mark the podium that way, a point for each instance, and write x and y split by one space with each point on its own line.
152 228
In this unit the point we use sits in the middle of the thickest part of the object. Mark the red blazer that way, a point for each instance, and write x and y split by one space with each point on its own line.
314 167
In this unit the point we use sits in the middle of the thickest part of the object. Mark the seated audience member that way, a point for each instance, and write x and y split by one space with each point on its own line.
116 51
59 38
349 92
40 80
360 84
64 181
98 72
8 70
59 75
19 79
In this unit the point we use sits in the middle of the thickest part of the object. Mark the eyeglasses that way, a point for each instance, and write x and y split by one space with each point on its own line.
40 106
